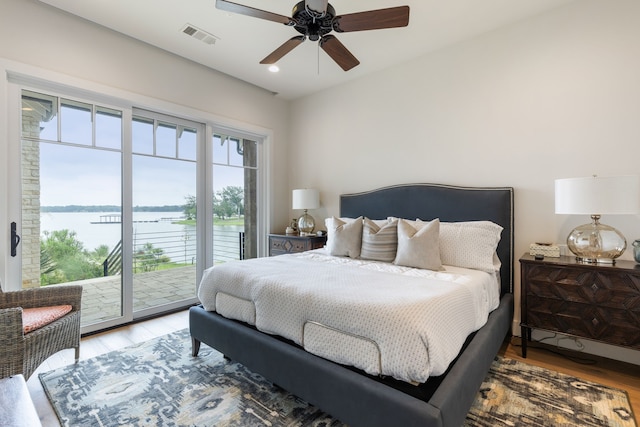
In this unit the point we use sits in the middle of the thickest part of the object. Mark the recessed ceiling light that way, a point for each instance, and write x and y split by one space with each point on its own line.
274 68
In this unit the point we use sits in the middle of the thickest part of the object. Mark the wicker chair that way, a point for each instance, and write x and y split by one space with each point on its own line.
22 353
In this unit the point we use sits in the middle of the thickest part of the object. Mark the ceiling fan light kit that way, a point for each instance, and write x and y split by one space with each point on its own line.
318 7
315 19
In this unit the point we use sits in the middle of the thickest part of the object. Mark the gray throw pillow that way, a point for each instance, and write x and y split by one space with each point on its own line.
419 246
344 237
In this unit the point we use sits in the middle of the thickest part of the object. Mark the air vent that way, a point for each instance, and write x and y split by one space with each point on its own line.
199 34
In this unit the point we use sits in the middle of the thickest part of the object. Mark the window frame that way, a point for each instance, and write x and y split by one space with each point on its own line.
32 79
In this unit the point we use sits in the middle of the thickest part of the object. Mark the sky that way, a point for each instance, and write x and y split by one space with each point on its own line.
81 175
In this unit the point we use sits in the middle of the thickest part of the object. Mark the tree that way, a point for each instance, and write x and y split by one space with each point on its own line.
219 209
66 260
229 202
47 263
222 207
190 207
149 258
234 196
61 243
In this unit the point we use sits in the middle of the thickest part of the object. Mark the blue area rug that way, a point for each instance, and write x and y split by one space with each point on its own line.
158 383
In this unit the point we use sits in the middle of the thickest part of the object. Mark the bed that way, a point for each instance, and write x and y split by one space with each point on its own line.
350 394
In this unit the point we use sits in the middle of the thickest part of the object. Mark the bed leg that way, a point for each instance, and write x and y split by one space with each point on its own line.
195 346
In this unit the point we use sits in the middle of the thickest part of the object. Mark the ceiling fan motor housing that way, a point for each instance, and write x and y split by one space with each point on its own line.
312 24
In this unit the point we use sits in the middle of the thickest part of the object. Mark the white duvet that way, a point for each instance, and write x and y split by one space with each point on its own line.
384 319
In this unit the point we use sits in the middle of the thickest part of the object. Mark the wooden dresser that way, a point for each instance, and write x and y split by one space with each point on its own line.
594 301
290 243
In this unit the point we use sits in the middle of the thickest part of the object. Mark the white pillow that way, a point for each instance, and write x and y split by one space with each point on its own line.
470 244
344 236
419 247
379 240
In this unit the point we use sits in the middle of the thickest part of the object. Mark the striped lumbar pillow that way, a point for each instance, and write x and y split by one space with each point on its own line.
379 240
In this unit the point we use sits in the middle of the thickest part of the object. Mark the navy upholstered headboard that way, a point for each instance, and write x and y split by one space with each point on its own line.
449 203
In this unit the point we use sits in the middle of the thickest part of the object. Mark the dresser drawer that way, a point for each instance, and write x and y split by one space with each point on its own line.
615 289
614 326
285 244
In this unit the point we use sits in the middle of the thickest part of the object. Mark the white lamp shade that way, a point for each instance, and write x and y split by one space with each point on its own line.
598 195
306 198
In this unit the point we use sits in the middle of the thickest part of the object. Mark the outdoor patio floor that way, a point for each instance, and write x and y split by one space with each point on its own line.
101 297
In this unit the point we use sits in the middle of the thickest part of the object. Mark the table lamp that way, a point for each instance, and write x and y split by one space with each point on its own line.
306 199
597 196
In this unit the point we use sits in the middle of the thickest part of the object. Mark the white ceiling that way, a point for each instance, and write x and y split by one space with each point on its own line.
243 41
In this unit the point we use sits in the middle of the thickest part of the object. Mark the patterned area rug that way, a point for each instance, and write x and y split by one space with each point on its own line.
158 383
517 394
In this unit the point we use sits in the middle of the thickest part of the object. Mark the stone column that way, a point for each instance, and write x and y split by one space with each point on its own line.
30 234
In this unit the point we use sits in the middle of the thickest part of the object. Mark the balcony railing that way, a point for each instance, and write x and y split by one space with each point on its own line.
113 264
154 249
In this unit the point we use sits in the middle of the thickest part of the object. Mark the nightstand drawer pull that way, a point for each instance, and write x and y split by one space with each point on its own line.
595 322
594 287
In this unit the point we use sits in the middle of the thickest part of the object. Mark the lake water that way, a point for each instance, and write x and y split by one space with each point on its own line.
177 240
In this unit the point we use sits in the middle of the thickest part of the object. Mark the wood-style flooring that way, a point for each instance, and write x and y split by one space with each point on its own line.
605 371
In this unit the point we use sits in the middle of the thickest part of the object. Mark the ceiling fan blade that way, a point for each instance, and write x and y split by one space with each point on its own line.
379 19
251 11
338 52
285 48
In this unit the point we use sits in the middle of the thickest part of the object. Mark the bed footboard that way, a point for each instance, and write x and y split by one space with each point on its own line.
351 397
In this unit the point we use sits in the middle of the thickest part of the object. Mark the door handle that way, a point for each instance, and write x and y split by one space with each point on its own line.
15 239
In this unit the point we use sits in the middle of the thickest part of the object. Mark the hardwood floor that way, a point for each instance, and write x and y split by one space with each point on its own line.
600 370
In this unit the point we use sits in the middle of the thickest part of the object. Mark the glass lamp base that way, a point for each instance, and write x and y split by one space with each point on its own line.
596 243
306 224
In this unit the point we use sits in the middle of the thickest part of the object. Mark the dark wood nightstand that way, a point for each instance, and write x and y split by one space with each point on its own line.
599 302
290 243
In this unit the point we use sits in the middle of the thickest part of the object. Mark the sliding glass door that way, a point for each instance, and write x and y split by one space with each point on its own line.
72 200
164 240
131 204
117 218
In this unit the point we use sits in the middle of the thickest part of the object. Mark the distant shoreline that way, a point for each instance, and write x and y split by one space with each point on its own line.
110 208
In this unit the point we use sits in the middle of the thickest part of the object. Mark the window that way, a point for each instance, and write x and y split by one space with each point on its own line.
112 195
235 183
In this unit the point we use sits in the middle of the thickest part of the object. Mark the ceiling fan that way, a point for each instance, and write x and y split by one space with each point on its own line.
315 19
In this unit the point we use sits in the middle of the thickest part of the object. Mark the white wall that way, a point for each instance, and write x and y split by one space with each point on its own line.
551 97
34 36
